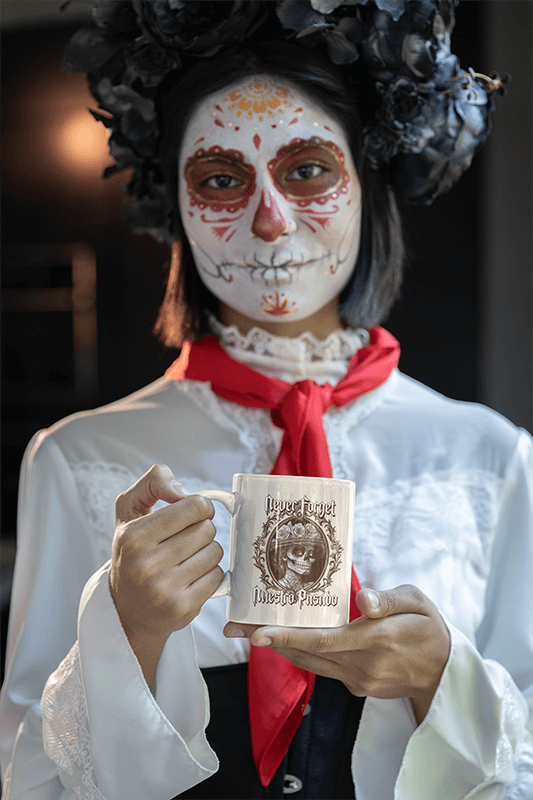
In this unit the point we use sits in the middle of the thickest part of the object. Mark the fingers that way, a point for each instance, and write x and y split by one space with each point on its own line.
233 630
309 640
199 564
192 514
157 484
405 599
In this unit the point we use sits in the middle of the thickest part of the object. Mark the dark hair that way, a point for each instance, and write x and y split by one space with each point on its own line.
376 278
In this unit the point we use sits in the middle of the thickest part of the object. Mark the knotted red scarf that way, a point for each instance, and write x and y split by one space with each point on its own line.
278 691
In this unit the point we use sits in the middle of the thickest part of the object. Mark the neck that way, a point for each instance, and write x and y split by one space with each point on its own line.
320 324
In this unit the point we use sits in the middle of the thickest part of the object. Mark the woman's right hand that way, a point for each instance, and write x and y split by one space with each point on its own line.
164 564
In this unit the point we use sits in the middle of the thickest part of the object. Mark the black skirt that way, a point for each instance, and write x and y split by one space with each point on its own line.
318 763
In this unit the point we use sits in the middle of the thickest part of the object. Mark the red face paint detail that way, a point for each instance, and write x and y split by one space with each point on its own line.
320 217
327 213
191 214
273 126
257 141
333 269
215 161
308 225
323 221
293 121
348 201
237 127
277 305
328 129
220 219
298 109
268 222
219 123
201 139
220 232
234 231
219 109
332 181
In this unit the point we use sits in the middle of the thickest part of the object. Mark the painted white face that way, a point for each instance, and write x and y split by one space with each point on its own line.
270 200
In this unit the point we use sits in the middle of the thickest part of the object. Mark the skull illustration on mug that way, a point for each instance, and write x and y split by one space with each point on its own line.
297 555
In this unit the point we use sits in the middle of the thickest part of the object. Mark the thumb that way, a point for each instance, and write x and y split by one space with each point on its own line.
158 483
405 599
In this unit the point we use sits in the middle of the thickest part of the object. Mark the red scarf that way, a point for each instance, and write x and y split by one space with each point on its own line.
278 692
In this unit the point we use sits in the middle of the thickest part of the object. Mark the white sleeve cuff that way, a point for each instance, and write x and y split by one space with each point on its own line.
102 725
468 743
472 744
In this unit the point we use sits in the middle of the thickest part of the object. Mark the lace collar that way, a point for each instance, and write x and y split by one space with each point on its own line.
296 358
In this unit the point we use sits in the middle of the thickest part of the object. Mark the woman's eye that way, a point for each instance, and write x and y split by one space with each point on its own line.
306 172
222 182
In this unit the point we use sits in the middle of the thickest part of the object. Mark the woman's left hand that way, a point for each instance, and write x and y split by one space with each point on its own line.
398 649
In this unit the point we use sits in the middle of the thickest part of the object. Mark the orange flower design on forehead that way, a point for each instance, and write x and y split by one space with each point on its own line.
258 100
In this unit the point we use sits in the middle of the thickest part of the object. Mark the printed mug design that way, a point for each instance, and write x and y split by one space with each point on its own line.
297 553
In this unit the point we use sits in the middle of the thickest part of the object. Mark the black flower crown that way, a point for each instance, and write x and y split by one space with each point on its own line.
430 116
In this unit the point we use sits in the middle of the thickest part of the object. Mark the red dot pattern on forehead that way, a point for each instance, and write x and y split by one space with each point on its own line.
258 99
257 141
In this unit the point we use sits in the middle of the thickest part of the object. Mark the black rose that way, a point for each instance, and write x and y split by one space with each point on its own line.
341 34
380 145
400 103
200 28
151 62
116 17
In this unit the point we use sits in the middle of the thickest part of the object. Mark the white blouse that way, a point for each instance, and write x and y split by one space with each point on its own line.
444 501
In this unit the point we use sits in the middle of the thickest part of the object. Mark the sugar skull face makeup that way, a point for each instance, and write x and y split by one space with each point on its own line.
270 200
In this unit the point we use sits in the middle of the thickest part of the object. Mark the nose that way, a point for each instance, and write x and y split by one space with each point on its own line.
269 223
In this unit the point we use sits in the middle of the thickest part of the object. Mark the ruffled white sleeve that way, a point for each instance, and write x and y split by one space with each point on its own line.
102 726
474 743
99 732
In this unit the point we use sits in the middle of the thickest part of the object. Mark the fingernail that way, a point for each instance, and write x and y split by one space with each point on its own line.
179 488
235 633
262 641
372 599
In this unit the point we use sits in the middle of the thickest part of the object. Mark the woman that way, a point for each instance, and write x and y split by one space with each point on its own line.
292 243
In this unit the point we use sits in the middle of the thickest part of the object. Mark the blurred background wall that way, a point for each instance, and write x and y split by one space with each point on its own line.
80 292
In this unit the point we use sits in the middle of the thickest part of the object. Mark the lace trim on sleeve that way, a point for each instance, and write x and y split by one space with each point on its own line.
522 787
66 728
511 723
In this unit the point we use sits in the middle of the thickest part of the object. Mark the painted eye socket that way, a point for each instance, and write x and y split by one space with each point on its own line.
222 182
309 171
214 178
306 172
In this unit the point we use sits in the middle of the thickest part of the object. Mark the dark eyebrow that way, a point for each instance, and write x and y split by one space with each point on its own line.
216 153
297 145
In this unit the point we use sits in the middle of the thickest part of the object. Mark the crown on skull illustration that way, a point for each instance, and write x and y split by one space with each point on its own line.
291 533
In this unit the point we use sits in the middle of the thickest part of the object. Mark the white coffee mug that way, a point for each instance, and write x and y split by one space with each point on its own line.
290 558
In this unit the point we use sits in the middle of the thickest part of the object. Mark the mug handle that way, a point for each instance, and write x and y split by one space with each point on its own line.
226 499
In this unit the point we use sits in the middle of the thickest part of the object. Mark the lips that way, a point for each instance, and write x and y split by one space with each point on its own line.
273 274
